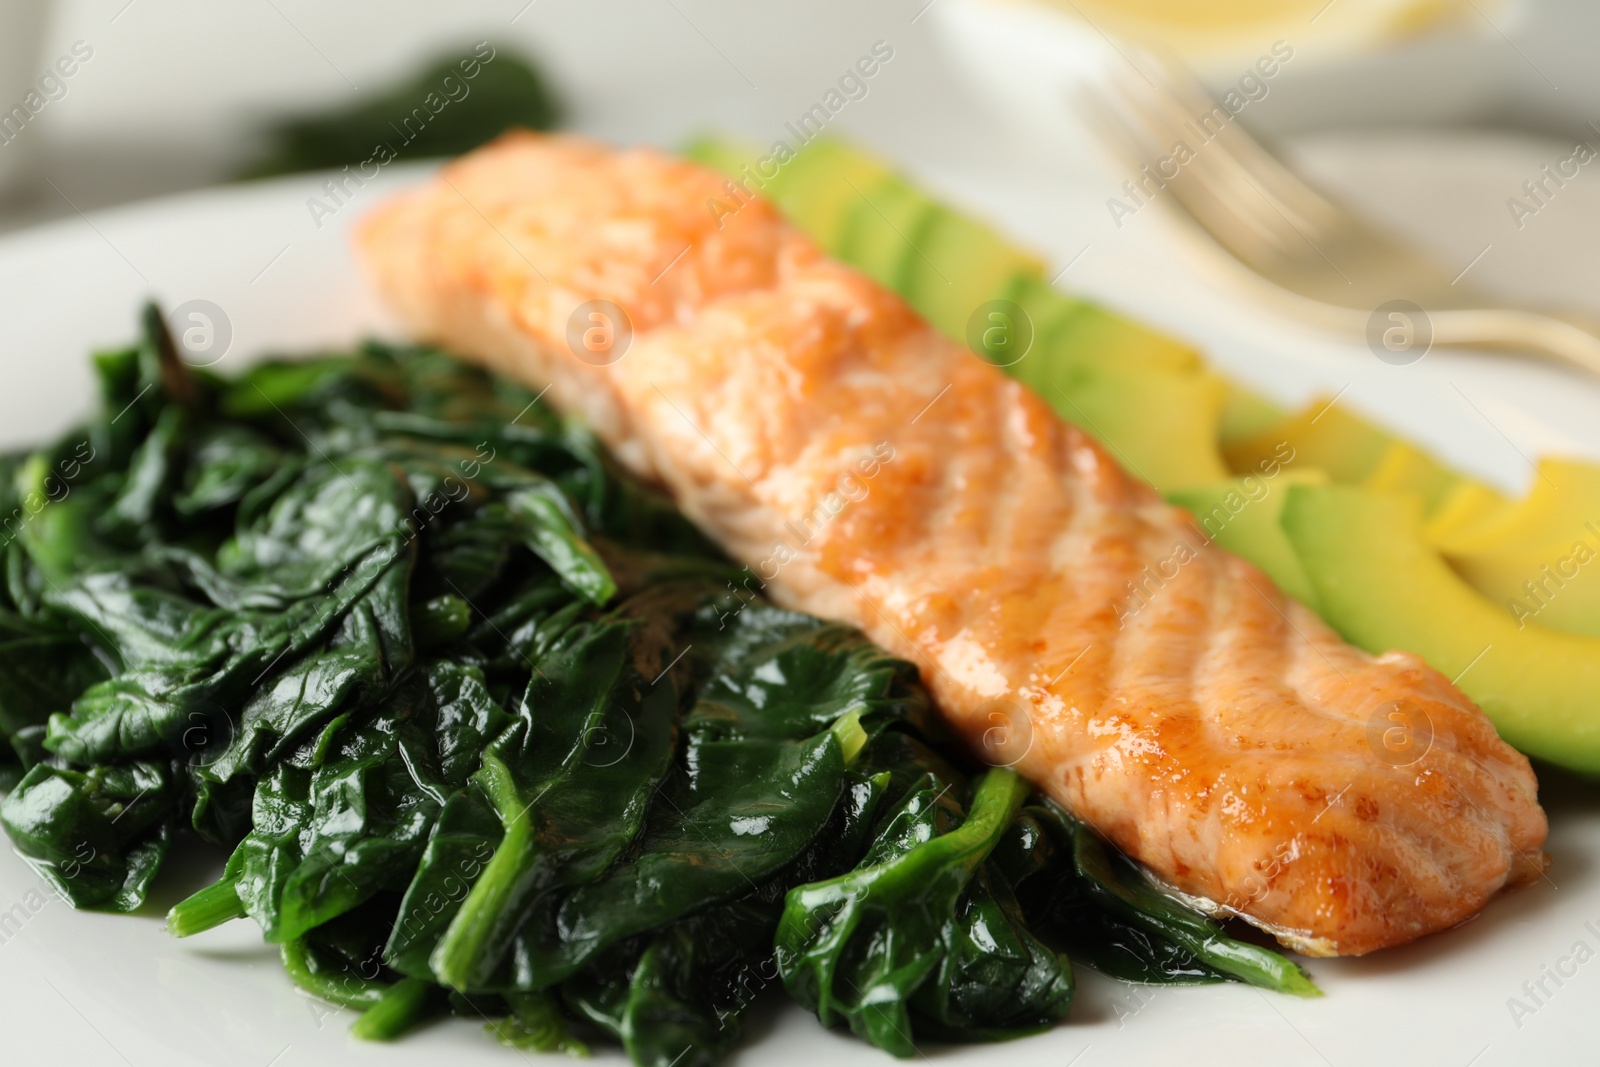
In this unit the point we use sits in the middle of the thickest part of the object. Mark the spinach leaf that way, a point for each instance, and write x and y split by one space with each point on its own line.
997 979
766 752
536 1023
96 836
549 775
43 667
761 804
683 990
225 462
856 948
342 960
348 814
181 659
684 997
546 521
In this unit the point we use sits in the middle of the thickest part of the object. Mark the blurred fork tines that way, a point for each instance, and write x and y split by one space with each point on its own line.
1298 249
1180 143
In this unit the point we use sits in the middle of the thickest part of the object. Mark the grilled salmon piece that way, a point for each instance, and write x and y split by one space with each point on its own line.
869 470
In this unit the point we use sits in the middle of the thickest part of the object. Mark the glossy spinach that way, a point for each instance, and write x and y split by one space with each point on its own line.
489 732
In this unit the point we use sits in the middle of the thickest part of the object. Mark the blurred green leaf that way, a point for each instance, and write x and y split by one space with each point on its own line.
443 111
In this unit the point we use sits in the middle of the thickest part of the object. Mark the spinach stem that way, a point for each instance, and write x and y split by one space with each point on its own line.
404 1004
537 1024
457 959
850 734
345 988
212 906
1144 905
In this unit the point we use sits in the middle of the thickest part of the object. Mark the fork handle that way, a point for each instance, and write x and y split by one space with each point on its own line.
1528 334
1518 331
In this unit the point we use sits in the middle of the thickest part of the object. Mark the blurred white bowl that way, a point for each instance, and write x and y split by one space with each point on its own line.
1220 36
1032 57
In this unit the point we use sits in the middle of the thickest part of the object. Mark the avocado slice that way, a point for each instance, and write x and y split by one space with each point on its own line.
1381 585
1468 507
884 230
1246 414
1243 516
1565 497
963 264
1325 434
1558 588
1067 330
1541 557
820 188
1098 334
1328 435
1048 310
1404 468
1160 426
725 154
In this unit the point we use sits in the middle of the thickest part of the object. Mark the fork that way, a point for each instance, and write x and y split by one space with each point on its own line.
1297 248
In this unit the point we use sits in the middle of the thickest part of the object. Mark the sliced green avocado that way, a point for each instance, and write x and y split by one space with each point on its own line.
1098 334
720 153
1160 426
963 265
1069 331
1470 506
816 188
1404 468
821 186
1539 557
1325 434
1381 585
1329 436
1049 310
1557 587
1563 502
1242 515
884 230
1246 414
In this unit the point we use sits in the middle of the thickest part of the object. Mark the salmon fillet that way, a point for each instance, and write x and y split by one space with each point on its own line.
869 470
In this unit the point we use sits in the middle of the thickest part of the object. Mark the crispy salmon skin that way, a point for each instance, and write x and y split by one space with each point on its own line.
867 469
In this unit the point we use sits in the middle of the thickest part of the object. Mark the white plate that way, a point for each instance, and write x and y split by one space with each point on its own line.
88 988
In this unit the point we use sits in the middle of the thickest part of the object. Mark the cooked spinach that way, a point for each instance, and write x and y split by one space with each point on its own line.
489 733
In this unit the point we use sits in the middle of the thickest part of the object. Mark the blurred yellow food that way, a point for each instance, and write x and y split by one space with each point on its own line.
1202 29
